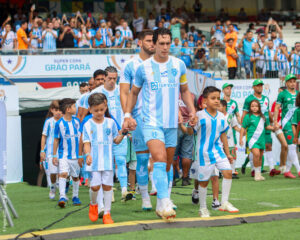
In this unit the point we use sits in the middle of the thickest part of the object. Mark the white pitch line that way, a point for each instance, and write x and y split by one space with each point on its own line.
283 189
268 204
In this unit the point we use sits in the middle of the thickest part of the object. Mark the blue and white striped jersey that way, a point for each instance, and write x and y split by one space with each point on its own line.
104 32
82 99
295 62
101 137
38 33
283 63
49 42
113 102
160 84
271 64
127 76
126 33
209 129
48 131
68 133
277 42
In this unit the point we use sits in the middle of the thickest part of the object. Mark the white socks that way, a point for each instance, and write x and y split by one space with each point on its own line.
226 186
93 197
233 166
75 188
251 160
100 199
152 182
270 160
124 190
292 158
62 187
107 195
144 191
202 196
257 170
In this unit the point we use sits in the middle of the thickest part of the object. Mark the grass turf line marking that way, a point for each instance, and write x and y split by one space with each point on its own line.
283 189
268 204
132 223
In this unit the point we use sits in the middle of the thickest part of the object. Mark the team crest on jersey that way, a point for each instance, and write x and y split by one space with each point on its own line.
201 176
154 134
174 71
108 131
154 86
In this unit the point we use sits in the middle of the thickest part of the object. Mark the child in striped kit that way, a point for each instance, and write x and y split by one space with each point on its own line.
54 114
99 134
66 141
255 124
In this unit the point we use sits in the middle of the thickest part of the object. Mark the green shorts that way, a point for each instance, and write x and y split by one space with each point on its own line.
259 146
268 137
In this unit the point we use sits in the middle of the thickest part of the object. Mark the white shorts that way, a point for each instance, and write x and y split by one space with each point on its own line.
102 177
195 169
52 169
132 165
206 172
69 166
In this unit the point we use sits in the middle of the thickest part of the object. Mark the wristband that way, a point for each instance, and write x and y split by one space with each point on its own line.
42 151
87 154
127 115
54 156
124 133
80 156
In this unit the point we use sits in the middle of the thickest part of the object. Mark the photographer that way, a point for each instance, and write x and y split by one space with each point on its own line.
273 27
200 55
175 27
49 39
67 36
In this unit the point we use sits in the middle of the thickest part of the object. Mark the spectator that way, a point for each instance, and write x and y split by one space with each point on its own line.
118 41
194 33
246 46
186 54
217 31
270 55
49 37
242 16
73 26
227 24
261 39
191 42
175 27
163 14
56 28
223 16
294 58
106 32
158 6
98 41
204 42
151 21
9 41
231 34
200 55
137 23
67 36
23 42
165 23
36 35
257 59
84 37
19 18
126 33
274 28
232 57
283 63
176 48
197 6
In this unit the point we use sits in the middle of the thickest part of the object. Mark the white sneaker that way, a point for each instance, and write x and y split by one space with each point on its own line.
168 213
52 194
282 169
180 174
258 177
146 204
159 208
204 213
228 207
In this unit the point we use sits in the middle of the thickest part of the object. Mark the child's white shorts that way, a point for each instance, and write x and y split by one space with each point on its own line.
102 177
195 169
132 165
205 172
52 169
69 166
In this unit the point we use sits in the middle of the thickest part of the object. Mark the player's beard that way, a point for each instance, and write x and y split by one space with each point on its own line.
148 51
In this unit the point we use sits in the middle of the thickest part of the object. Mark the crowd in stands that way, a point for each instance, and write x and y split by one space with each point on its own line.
265 54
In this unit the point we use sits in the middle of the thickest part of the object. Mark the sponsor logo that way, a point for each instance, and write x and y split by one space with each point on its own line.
12 64
201 176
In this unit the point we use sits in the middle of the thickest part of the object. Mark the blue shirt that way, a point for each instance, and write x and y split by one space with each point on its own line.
48 131
247 48
49 42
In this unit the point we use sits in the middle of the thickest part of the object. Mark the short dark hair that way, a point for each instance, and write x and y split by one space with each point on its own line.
249 31
111 69
83 84
161 31
96 99
210 89
99 72
23 22
144 33
223 103
66 103
230 39
283 88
